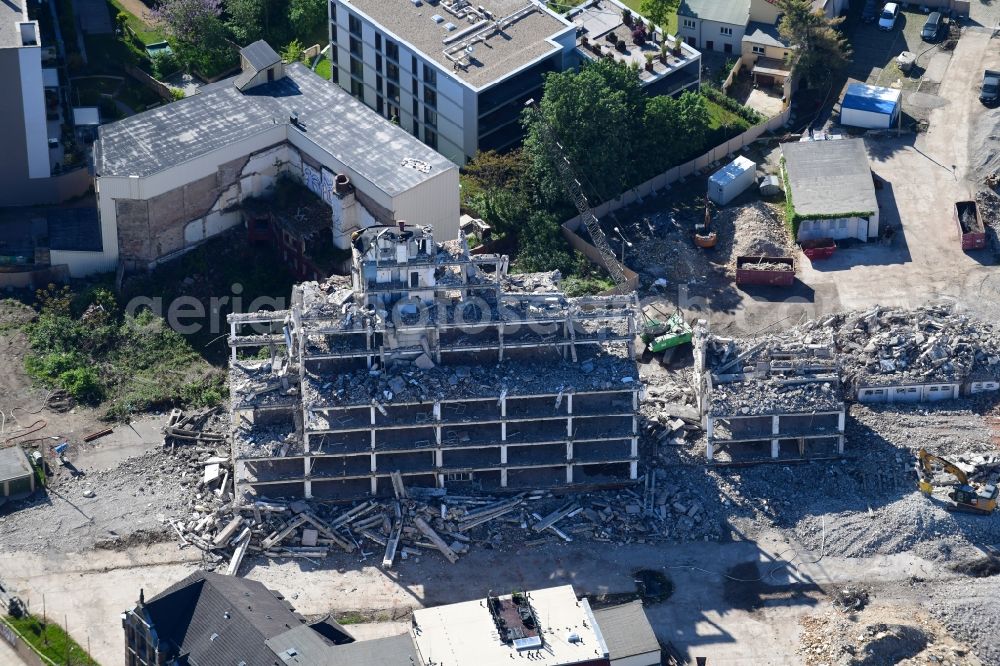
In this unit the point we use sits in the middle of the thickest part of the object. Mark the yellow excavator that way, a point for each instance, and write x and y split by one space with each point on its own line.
965 496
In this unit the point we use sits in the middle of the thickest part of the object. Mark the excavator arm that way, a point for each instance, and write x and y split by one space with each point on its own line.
928 460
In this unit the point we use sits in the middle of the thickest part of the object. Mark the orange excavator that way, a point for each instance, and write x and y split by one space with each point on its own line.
966 496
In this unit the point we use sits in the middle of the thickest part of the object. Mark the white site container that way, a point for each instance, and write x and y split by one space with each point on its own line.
729 182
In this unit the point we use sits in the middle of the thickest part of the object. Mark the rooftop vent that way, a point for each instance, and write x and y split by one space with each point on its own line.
213 637
450 26
437 18
416 3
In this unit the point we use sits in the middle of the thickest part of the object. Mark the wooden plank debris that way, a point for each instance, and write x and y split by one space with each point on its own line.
238 554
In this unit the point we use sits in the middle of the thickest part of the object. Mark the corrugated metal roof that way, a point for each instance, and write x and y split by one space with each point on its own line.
876 99
626 630
733 170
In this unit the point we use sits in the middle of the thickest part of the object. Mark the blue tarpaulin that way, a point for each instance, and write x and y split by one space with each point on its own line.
871 98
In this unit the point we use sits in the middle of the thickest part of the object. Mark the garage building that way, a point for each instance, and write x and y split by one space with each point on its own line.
17 477
829 184
871 107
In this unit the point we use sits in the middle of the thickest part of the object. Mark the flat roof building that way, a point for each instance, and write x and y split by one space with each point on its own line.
831 188
550 627
674 66
453 73
172 176
30 115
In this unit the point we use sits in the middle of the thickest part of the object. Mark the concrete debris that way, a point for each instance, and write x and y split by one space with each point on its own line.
191 429
767 266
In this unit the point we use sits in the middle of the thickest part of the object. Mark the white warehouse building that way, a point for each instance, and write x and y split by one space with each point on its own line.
453 73
170 177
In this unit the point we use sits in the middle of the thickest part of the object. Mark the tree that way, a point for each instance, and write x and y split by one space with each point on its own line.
197 34
659 11
541 246
184 19
819 51
495 188
246 20
596 114
675 130
293 51
307 17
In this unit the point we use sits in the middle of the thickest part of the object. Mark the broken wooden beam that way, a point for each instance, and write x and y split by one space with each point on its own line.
392 545
97 435
227 532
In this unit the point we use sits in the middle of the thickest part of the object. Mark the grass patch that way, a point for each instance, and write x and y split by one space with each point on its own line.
324 67
722 117
143 30
50 640
86 344
671 24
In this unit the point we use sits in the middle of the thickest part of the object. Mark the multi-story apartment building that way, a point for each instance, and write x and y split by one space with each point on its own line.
455 74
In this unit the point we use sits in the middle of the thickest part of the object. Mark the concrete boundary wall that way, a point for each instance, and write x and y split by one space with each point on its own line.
23 649
653 185
672 175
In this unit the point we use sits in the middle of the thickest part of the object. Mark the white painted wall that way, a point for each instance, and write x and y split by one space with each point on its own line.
866 119
33 103
839 229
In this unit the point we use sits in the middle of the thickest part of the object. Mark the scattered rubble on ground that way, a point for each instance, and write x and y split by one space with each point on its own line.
880 634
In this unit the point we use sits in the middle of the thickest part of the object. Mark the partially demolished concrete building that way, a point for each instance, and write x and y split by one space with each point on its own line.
436 364
780 393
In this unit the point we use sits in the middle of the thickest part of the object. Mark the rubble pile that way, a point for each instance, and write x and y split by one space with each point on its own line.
420 521
781 373
767 266
930 343
757 230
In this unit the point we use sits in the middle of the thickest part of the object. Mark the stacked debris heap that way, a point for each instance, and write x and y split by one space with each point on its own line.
436 364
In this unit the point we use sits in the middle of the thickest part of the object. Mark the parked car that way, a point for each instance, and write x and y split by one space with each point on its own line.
932 27
990 92
887 20
870 12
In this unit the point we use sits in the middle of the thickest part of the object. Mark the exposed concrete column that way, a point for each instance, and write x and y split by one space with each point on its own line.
710 427
840 445
569 403
437 434
232 334
841 419
709 450
503 454
569 450
503 477
374 467
440 480
439 458
569 474
633 470
437 410
569 426
503 407
374 485
373 439
306 466
307 489
775 424
503 431
373 414
775 448
635 447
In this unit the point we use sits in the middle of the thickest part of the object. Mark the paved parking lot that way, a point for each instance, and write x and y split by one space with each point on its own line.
925 174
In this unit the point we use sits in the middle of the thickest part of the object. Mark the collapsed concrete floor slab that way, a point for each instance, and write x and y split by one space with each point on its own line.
436 364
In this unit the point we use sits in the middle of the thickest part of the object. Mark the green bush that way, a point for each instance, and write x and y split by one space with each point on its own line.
82 383
163 64
730 104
